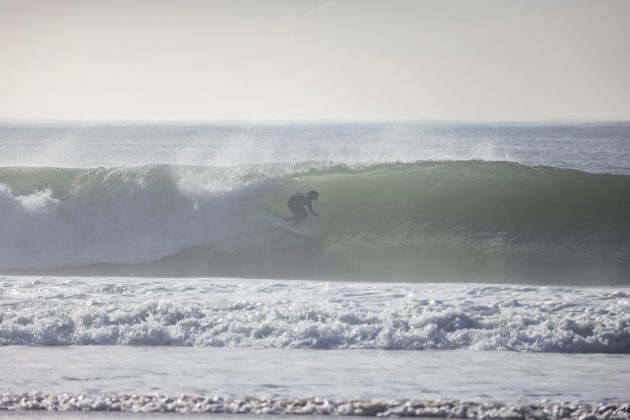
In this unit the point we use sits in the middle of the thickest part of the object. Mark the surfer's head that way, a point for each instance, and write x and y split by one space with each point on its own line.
312 194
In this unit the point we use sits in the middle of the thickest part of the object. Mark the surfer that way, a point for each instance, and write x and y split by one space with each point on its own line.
296 204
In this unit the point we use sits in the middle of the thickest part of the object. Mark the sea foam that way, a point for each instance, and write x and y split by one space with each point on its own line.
188 404
267 314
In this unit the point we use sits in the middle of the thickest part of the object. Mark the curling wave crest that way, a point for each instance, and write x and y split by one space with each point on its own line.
414 221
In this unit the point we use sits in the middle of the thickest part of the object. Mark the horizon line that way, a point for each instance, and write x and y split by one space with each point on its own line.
315 121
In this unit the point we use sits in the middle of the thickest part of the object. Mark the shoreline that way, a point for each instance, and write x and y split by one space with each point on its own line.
310 406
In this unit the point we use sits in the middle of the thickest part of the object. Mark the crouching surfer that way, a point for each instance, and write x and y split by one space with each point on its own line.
297 204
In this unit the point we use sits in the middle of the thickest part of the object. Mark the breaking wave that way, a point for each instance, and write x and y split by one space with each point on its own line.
245 313
188 404
423 220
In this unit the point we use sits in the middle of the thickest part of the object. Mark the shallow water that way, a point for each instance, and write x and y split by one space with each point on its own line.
338 375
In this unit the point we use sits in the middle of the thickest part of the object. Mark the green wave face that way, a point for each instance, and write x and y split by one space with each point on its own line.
474 220
475 197
421 221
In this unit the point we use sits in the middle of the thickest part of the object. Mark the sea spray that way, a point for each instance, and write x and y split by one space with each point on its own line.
418 221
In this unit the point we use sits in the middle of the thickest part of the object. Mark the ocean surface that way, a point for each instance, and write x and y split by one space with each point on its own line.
454 270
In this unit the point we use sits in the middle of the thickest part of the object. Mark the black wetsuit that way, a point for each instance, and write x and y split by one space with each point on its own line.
296 204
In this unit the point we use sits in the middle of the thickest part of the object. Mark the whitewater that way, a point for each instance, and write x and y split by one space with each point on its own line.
454 270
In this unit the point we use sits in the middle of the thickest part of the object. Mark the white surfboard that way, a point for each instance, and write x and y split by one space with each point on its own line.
288 225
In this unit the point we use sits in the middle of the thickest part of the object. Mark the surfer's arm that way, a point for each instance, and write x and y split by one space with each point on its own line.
313 212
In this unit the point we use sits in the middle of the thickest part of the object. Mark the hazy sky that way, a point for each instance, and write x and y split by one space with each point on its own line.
294 59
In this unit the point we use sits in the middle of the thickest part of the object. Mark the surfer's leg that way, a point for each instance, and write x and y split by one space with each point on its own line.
292 206
299 213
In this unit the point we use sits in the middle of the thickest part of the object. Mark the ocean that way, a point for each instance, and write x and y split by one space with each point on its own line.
454 270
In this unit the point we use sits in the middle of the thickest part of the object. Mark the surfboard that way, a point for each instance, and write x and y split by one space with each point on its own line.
280 222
